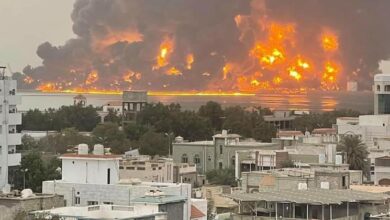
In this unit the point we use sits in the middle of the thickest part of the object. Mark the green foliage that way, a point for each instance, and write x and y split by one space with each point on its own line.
308 122
77 116
112 116
109 135
213 112
134 131
28 143
36 170
356 152
153 143
221 177
65 139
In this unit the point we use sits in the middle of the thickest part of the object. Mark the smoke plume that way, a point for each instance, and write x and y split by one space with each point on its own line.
219 45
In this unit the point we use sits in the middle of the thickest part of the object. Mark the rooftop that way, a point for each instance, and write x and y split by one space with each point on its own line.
90 156
324 131
196 213
159 199
310 196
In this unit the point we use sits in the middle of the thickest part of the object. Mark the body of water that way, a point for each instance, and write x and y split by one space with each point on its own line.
312 101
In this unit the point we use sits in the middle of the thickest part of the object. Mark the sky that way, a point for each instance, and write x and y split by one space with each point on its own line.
25 24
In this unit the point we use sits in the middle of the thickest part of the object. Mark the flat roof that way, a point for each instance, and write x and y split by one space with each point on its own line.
90 156
162 199
310 196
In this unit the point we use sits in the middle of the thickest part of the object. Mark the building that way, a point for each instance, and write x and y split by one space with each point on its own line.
93 179
147 169
281 119
149 212
96 168
80 100
17 207
381 94
132 103
308 204
382 170
114 106
9 137
217 202
216 154
187 173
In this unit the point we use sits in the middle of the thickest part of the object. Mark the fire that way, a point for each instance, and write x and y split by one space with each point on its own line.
166 49
329 41
92 77
28 79
226 70
329 76
189 61
295 74
174 72
277 80
115 37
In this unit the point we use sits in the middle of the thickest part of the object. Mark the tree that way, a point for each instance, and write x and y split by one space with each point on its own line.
109 135
153 143
221 177
28 143
134 131
62 141
213 112
355 151
33 168
112 116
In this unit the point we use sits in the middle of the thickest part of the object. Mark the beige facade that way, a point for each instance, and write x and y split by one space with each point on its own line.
147 169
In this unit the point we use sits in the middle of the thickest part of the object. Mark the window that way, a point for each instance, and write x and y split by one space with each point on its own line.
209 158
140 168
220 165
108 203
220 149
129 168
184 158
387 88
121 167
233 160
77 200
196 159
108 176
378 88
92 202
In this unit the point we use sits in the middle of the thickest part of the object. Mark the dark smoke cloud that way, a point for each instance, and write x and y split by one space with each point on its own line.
207 29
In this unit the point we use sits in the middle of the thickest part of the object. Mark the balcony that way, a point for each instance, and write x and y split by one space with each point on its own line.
14 99
14 159
13 139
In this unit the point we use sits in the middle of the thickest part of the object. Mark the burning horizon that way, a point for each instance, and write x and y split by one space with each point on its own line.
218 47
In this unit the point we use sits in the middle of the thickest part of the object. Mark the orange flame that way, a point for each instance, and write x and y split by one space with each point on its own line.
189 61
329 41
92 78
174 72
166 48
28 79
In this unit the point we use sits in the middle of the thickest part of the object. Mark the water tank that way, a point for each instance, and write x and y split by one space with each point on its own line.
26 193
179 139
224 132
339 159
82 149
324 185
302 186
98 149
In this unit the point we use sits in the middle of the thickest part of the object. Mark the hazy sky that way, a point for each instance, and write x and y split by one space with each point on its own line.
25 24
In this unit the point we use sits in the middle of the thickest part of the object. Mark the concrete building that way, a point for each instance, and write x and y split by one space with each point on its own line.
186 173
382 170
115 106
132 103
96 168
146 168
93 179
308 204
381 94
138 212
216 154
281 119
9 137
80 100
17 207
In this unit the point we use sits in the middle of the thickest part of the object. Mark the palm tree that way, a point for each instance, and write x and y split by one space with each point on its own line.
356 152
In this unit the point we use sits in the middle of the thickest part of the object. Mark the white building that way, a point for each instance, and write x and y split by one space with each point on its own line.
381 94
93 179
103 212
9 137
147 169
115 106
96 168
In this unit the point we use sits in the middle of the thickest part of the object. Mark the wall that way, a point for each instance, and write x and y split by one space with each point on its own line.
89 171
18 208
118 194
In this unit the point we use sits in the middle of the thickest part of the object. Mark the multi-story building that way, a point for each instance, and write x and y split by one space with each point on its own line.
93 179
9 137
216 154
132 103
382 94
147 169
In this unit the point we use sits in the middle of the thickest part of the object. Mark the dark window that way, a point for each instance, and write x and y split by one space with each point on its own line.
108 176
121 167
387 88
140 168
196 159
344 182
108 203
220 165
220 149
184 158
378 88
77 200
92 202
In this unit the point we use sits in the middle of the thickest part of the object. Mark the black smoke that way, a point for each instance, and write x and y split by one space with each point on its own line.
207 29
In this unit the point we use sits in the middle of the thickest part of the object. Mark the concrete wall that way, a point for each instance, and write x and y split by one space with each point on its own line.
79 170
16 208
117 194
